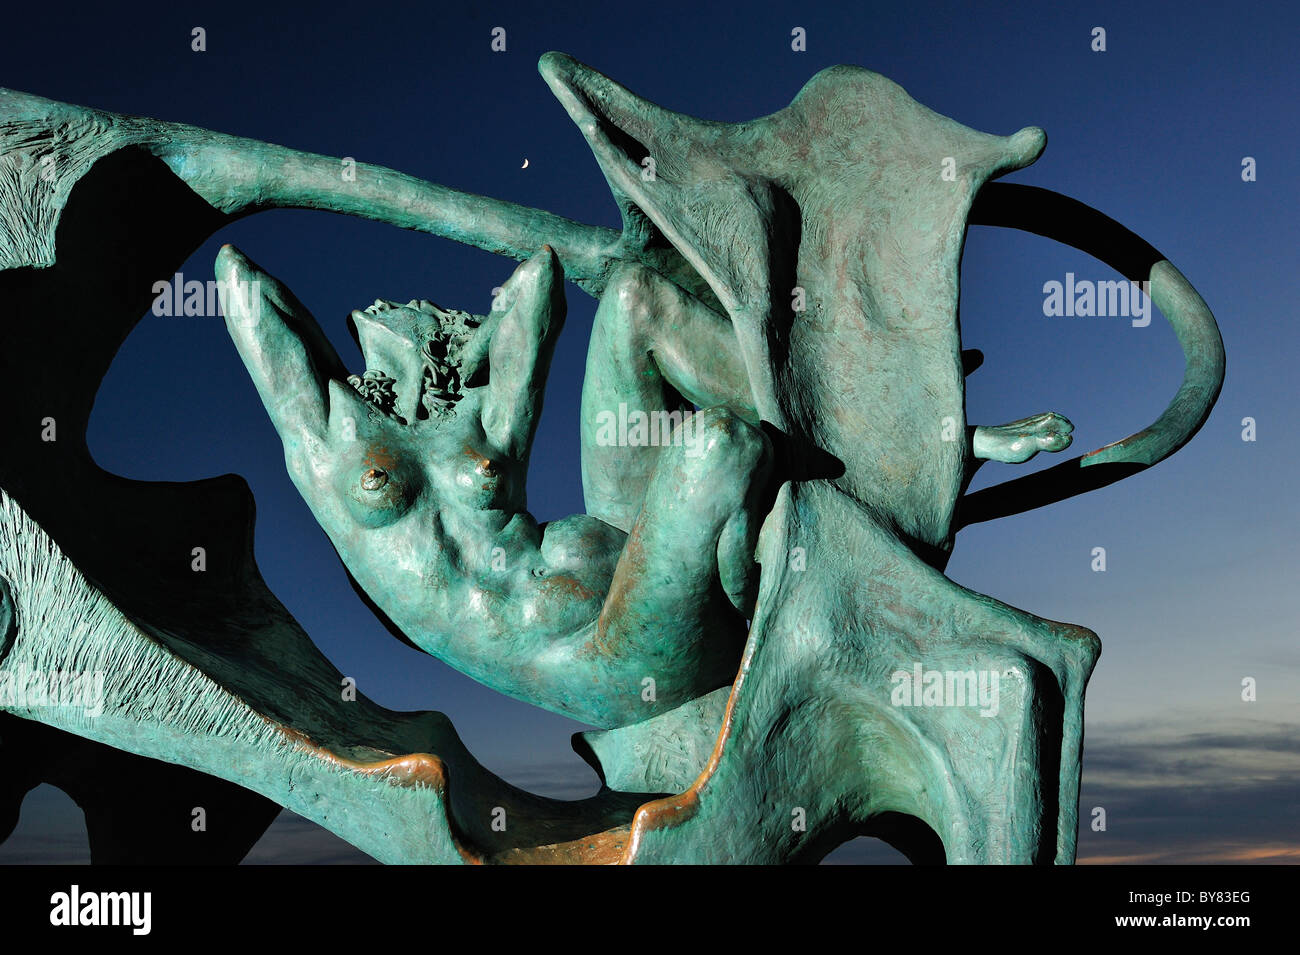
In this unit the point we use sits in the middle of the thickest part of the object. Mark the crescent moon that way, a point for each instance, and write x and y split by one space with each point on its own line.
525 165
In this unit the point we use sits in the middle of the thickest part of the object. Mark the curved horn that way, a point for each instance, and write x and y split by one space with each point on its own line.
1069 221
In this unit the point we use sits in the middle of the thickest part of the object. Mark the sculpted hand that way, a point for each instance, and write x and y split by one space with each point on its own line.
1018 441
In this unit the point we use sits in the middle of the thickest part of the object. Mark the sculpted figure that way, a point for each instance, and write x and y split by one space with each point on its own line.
416 471
794 276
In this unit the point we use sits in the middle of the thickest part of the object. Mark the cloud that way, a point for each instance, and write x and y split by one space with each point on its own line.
1177 796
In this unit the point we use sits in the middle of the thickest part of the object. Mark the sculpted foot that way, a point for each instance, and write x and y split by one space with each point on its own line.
1018 441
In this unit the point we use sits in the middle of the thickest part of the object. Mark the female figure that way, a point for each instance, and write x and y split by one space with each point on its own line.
416 470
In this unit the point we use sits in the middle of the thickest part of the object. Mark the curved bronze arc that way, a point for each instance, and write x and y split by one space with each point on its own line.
1050 214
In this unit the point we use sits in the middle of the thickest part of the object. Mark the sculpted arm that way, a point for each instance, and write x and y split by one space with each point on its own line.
519 354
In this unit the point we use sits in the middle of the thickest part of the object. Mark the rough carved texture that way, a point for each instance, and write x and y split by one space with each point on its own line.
856 489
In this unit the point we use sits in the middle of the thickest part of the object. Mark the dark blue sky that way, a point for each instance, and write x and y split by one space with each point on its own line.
1199 590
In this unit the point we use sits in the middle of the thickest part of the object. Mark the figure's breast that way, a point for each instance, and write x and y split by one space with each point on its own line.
478 478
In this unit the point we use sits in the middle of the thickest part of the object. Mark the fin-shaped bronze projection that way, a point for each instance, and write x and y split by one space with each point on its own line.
795 277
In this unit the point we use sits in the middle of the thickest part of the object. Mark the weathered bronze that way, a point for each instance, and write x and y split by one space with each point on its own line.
775 456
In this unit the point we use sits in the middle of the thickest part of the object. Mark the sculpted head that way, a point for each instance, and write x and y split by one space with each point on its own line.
379 446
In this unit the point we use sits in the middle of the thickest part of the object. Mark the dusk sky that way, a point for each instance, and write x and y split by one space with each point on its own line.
1199 590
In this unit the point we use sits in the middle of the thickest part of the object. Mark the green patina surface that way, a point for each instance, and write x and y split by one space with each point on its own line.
794 278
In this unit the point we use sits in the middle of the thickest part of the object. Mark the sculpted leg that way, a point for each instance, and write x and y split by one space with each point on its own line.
688 567
653 349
